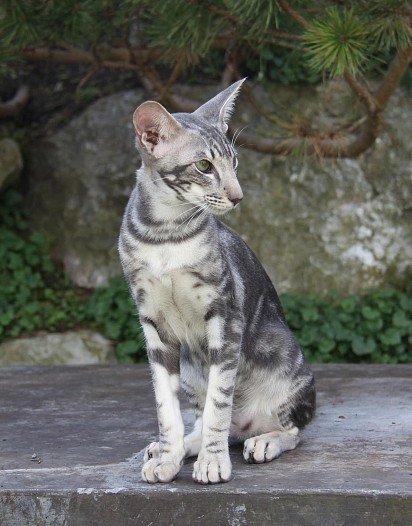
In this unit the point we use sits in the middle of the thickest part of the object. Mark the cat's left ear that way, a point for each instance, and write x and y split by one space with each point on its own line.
217 111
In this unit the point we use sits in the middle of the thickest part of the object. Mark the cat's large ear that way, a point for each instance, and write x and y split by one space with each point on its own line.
155 128
217 111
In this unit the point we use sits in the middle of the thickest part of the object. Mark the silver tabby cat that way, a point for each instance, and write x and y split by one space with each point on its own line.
211 317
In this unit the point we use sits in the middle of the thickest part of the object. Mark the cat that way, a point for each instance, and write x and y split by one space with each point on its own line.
211 318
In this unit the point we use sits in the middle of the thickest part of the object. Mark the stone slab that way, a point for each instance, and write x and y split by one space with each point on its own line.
89 425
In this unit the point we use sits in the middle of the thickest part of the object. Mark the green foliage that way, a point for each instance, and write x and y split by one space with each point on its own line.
357 38
182 26
114 312
390 23
373 328
275 64
340 34
35 295
337 42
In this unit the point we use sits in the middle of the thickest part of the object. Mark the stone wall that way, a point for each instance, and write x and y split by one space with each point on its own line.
315 224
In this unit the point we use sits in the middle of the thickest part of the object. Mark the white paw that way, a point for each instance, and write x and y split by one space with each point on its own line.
158 470
264 449
211 468
152 451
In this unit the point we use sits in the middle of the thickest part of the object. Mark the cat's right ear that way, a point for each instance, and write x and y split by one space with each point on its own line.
155 128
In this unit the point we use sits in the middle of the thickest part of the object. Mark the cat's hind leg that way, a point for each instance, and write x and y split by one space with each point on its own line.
193 440
289 418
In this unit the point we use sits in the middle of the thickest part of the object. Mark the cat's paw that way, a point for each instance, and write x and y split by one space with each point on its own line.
158 470
152 451
265 448
258 450
212 468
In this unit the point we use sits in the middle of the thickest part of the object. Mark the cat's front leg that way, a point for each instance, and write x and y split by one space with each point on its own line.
213 463
164 364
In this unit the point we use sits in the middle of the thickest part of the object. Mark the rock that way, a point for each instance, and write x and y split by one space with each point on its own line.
69 348
81 177
89 427
11 162
315 224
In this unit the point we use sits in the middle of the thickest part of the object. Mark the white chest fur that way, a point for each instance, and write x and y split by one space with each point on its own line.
167 257
174 296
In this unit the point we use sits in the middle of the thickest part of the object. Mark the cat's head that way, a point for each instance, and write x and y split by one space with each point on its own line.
190 153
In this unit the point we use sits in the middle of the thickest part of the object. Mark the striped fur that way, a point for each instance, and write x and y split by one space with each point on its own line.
212 320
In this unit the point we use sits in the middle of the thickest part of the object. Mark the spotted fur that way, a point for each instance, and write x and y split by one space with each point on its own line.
211 317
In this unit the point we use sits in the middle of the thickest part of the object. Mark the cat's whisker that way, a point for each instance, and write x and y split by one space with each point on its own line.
186 211
186 203
161 178
233 137
237 135
201 210
190 217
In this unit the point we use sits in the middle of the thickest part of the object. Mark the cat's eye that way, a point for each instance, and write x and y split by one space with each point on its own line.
204 166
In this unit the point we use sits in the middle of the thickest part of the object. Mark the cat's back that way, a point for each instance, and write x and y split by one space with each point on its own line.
254 278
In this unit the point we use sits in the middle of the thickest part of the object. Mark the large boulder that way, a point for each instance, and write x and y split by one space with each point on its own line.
79 182
315 224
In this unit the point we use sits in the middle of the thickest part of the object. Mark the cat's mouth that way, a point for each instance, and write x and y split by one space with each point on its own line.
218 205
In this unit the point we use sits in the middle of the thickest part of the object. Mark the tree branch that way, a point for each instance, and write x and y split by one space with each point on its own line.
393 76
119 57
332 144
293 14
16 104
361 91
390 81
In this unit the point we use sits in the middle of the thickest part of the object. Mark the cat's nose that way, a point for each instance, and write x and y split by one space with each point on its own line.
233 192
235 200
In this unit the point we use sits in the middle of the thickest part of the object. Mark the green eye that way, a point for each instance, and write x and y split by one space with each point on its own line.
204 166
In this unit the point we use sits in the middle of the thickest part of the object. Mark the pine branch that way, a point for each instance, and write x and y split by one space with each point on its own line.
393 76
335 143
360 90
386 88
120 57
346 146
293 14
270 32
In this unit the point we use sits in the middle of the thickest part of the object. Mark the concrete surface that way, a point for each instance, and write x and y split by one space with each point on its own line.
86 428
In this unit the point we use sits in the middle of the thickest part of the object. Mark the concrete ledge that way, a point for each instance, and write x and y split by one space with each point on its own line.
88 427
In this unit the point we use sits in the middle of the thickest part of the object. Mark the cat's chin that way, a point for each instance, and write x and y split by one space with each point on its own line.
219 212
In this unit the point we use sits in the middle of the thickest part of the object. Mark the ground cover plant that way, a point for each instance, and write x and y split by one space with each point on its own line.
35 295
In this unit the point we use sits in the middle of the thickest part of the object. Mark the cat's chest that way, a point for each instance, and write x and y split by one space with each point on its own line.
178 302
163 259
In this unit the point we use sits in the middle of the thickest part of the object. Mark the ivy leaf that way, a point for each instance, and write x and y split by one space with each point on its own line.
406 303
391 336
369 313
310 314
400 320
326 346
363 347
349 304
127 348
